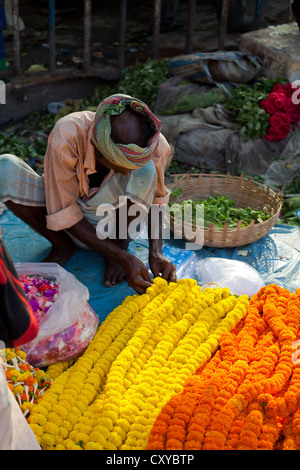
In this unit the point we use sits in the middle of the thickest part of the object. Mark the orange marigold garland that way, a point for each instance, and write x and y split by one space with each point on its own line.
138 360
250 398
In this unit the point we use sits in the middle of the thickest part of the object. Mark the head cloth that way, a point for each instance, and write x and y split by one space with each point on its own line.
129 156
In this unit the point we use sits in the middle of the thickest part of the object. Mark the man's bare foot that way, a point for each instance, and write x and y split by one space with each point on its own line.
114 273
61 255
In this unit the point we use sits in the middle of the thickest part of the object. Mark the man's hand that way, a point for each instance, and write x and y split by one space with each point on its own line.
137 274
160 265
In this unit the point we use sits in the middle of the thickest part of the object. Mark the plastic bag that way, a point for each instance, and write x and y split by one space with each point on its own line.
69 324
242 71
15 433
239 277
217 67
184 260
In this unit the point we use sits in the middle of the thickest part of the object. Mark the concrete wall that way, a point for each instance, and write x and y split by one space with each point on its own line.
27 94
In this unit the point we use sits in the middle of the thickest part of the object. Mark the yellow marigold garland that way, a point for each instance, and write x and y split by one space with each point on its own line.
54 370
247 396
141 356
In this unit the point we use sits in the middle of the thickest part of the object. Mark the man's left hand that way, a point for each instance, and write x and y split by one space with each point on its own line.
161 266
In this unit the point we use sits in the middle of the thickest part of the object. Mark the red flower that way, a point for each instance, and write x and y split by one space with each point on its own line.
268 106
280 125
276 101
294 112
275 134
279 100
277 87
272 137
283 111
288 89
279 121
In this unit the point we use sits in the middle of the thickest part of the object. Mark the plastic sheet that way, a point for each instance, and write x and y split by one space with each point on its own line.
276 257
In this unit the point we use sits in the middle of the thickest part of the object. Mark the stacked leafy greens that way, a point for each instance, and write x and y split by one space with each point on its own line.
219 210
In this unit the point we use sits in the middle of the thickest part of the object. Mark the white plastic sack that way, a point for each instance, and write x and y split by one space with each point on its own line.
239 277
67 308
15 432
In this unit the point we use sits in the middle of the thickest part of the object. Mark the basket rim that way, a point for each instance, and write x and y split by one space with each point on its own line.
249 180
212 228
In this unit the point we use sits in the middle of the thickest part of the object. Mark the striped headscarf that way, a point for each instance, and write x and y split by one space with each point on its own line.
129 156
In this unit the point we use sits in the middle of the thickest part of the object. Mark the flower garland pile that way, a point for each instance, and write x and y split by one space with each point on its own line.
269 109
140 357
27 383
40 292
247 396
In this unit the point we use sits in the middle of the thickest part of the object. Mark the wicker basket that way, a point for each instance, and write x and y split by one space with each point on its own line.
244 193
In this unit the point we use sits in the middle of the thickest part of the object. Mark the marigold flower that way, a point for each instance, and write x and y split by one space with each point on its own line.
38 430
18 389
37 418
144 356
257 354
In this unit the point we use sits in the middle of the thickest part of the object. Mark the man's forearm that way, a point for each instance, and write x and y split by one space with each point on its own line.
155 243
159 264
155 247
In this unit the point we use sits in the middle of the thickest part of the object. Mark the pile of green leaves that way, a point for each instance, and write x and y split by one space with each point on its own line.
251 120
99 93
143 79
219 210
290 208
29 139
140 80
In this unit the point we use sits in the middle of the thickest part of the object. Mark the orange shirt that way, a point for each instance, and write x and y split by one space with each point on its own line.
70 159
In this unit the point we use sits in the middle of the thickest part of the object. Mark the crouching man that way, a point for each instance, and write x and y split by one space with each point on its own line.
94 159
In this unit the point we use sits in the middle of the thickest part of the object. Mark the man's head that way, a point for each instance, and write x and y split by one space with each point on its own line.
125 131
130 127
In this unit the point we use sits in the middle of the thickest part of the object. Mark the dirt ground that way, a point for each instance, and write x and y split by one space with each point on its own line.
105 40
29 135
139 44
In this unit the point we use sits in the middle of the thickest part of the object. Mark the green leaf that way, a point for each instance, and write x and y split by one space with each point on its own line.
176 192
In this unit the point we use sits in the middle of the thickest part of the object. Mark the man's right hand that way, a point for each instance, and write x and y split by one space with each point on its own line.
137 274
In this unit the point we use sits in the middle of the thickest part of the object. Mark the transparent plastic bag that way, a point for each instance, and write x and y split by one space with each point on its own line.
239 277
69 324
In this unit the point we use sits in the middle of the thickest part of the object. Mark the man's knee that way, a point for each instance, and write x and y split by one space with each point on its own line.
7 160
7 165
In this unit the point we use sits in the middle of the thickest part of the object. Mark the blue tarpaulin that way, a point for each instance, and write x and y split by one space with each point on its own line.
276 257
